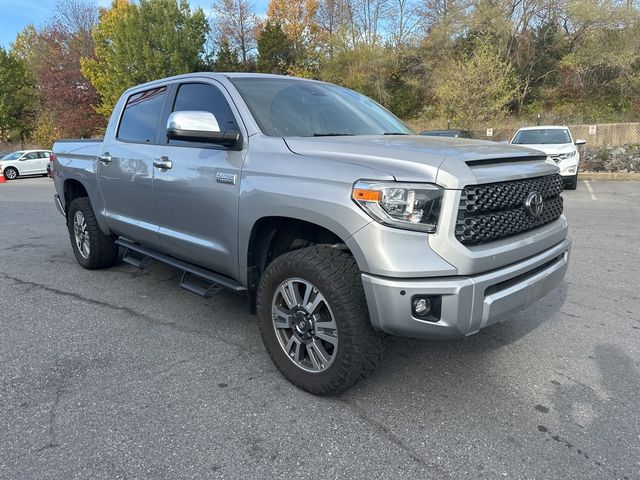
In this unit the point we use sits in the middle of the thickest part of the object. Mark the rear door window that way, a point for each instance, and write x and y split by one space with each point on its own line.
140 117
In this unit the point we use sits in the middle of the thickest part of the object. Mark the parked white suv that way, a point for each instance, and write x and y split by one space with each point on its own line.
25 162
557 142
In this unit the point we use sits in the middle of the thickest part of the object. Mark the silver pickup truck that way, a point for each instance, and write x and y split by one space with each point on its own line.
337 221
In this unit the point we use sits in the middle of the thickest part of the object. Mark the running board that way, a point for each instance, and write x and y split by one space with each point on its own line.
133 258
194 279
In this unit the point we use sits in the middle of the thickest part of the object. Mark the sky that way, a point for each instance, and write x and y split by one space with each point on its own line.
17 14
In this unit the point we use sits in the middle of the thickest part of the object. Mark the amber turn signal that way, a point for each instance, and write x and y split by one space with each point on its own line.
366 195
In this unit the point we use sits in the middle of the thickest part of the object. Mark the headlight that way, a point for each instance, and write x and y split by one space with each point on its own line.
564 156
413 206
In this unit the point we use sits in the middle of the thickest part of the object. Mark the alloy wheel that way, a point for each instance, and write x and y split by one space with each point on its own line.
304 324
81 233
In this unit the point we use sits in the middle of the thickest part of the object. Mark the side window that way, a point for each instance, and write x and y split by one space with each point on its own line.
43 155
140 116
31 156
200 96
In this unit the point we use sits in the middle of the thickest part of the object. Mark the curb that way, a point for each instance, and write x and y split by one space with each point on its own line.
611 176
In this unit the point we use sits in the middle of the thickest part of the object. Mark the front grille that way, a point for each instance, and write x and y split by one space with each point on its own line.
497 210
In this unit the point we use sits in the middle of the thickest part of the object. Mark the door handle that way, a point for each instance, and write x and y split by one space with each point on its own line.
105 158
163 163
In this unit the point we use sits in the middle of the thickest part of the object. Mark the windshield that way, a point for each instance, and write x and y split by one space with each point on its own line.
12 156
542 136
287 107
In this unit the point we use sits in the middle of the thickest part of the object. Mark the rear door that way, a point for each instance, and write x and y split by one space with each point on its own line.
43 155
197 198
125 168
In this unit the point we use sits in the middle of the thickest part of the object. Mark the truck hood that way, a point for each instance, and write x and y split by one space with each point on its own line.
450 162
552 148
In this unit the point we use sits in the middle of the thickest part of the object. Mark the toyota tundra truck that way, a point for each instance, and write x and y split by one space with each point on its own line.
337 221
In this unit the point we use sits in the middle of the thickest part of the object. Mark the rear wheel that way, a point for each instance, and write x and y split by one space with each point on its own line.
314 320
10 173
92 248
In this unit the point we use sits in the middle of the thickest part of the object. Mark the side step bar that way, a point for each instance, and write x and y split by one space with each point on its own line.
195 279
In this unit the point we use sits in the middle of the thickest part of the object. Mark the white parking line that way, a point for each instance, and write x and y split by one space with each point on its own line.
590 188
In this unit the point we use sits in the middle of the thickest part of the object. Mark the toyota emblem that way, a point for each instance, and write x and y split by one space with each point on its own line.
534 203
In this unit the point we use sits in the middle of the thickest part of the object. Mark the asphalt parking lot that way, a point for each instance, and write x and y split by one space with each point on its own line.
121 374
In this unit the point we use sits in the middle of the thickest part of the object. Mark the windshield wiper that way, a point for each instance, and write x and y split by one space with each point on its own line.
395 133
333 134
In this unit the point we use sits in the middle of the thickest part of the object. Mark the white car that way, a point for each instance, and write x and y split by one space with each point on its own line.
557 142
25 162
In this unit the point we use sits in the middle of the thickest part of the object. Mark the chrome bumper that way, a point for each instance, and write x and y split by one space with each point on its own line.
469 303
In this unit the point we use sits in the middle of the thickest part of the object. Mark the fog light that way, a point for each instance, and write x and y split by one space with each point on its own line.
421 306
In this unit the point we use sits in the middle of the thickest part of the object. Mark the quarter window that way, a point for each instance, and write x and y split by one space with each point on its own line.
140 116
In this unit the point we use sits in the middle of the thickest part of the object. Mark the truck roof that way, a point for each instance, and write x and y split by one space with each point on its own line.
217 75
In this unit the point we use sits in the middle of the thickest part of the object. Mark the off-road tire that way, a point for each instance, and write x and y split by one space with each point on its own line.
103 249
336 274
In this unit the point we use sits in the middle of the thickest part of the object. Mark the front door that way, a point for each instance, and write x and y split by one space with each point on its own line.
197 198
29 164
125 168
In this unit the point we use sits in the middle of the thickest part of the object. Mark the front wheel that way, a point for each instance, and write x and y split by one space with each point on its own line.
314 320
10 173
92 248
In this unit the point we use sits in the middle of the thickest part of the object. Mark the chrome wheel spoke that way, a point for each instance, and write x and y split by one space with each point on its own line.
289 294
295 349
318 355
314 305
328 335
281 318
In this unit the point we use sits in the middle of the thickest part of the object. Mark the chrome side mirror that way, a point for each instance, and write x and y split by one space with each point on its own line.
200 126
580 142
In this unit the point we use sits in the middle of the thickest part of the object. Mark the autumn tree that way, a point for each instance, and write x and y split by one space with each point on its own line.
297 18
236 23
139 42
52 56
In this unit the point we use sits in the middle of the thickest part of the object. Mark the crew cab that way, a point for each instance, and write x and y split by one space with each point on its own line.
338 222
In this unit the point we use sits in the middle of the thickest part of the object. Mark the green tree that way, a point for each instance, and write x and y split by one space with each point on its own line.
275 49
477 88
16 98
227 59
139 42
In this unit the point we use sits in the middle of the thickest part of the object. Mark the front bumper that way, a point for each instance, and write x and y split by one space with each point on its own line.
469 303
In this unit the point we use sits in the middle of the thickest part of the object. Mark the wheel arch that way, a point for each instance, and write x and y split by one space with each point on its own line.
73 188
272 236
